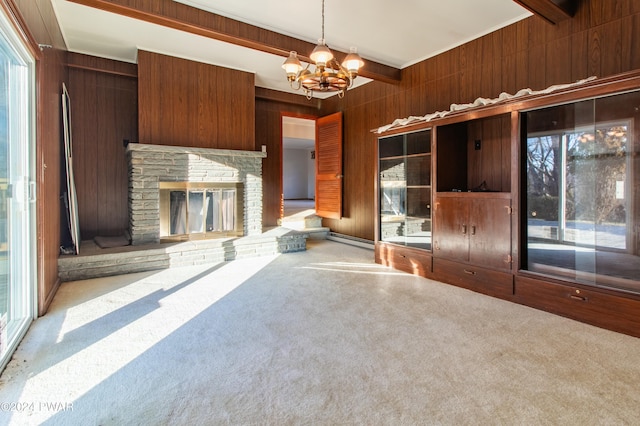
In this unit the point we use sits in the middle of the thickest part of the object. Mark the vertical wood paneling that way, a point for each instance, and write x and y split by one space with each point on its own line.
493 134
85 150
603 12
579 58
630 48
561 72
606 49
104 113
601 39
212 108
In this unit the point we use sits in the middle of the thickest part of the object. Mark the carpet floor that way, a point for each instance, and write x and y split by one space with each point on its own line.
321 337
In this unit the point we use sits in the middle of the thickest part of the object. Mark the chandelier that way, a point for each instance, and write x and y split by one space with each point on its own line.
329 74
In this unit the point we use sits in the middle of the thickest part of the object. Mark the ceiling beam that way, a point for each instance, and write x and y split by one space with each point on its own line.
553 11
181 17
287 98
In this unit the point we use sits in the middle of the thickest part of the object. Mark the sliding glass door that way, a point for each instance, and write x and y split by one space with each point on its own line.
17 191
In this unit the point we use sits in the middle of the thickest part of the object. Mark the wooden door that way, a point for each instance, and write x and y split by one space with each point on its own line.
451 228
490 233
329 166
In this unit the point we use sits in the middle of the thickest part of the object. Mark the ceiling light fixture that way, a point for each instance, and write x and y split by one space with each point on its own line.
329 74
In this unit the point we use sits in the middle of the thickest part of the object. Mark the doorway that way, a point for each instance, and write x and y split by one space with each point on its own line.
298 166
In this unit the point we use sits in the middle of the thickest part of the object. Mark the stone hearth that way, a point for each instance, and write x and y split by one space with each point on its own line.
149 165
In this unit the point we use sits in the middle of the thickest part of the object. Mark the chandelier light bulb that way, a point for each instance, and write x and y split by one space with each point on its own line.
292 65
321 55
353 62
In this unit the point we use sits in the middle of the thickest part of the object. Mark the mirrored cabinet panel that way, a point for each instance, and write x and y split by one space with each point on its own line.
581 204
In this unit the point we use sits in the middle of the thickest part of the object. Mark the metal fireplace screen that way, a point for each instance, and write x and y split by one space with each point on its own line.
200 210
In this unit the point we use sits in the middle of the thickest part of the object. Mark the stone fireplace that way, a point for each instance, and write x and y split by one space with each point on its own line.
159 175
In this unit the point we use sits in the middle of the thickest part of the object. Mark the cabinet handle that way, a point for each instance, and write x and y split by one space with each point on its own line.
580 298
464 229
466 271
473 230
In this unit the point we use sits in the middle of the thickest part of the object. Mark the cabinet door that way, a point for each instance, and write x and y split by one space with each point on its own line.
490 233
452 228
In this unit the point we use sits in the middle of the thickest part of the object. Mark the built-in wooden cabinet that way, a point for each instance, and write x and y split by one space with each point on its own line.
535 200
404 201
474 228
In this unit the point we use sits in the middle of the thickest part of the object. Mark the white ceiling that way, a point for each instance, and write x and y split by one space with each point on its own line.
397 34
298 133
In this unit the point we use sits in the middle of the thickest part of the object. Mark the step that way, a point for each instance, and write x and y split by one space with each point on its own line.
319 233
301 222
94 262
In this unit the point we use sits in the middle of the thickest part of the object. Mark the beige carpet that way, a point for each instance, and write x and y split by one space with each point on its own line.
318 337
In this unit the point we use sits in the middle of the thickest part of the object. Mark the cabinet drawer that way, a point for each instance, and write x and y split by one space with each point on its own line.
405 259
599 308
493 283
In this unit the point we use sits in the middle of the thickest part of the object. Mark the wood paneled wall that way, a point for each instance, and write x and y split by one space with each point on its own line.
104 112
602 39
41 22
187 103
269 132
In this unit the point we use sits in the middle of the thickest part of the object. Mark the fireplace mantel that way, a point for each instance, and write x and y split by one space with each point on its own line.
145 147
151 164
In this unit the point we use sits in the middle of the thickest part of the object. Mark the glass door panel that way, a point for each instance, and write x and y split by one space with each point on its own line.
178 212
419 170
404 180
582 191
418 226
213 211
196 212
228 210
17 191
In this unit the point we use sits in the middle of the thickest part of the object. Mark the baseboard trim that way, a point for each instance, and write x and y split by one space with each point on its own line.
348 239
48 298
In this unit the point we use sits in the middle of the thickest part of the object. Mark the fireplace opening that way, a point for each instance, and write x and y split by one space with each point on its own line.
190 210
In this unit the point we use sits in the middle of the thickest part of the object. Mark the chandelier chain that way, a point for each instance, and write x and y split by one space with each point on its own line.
323 21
